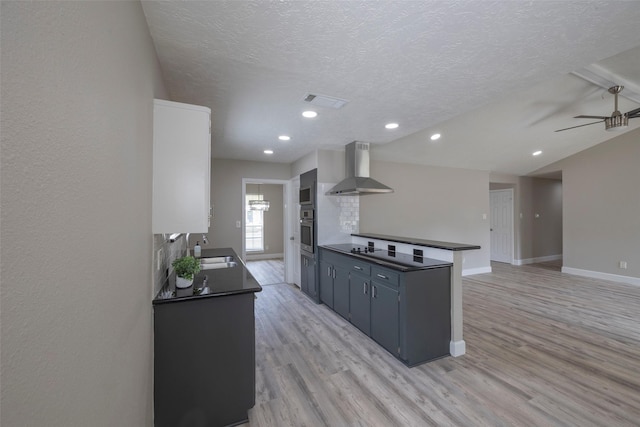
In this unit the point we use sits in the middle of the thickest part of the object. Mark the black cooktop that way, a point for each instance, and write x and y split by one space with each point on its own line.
393 259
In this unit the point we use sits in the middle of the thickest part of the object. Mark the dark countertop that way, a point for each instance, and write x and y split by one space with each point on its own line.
420 242
212 283
384 258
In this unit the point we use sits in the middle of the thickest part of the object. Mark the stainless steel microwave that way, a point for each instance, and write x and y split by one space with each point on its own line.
306 195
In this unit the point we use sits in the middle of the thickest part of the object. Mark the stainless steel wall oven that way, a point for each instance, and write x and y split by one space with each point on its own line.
307 238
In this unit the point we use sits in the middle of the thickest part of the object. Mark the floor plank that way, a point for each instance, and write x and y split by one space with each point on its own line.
543 349
268 271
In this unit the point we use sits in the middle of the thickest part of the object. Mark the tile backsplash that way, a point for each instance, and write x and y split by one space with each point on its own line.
168 251
337 216
349 217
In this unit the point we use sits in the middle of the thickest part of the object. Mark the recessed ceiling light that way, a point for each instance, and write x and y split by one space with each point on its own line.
309 114
537 153
435 136
268 151
391 125
284 137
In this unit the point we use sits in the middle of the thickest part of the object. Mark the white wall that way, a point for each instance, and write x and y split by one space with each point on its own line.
77 89
433 203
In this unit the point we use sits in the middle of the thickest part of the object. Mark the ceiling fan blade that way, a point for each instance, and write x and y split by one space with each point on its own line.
591 117
579 126
633 113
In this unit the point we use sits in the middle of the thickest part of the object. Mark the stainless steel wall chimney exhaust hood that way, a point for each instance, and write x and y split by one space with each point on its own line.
356 167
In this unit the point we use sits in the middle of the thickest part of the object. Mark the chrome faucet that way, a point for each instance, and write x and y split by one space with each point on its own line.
188 250
204 241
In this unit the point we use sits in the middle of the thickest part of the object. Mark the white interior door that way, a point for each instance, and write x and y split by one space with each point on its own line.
501 203
293 267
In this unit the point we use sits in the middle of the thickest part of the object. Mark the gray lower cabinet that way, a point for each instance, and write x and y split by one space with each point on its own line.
326 283
385 311
341 290
360 302
204 361
334 284
406 312
308 281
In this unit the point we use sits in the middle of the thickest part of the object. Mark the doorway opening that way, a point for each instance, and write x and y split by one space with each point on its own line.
264 243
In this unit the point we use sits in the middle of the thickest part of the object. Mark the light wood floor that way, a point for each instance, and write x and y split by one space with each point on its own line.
268 271
543 349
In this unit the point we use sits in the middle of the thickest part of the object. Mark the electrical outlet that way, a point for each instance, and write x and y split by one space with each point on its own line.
484 216
238 224
623 265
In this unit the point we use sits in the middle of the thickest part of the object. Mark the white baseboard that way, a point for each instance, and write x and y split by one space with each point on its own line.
457 348
537 259
479 270
254 257
604 276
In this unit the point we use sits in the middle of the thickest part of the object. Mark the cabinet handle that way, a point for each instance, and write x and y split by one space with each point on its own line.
382 276
329 271
364 288
334 273
357 268
373 291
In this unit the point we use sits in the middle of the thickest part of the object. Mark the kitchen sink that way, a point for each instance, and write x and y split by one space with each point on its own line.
213 263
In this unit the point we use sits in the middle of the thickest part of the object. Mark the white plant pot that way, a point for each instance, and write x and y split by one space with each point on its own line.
182 283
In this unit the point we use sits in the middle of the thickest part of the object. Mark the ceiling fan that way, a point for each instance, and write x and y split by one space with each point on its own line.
616 121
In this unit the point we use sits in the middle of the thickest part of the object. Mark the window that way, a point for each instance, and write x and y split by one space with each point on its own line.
254 229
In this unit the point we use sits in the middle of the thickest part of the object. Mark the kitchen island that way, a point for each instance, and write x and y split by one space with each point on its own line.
400 300
446 251
204 347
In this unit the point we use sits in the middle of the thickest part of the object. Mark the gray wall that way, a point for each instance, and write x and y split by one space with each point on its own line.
273 218
433 203
77 89
547 217
226 196
601 206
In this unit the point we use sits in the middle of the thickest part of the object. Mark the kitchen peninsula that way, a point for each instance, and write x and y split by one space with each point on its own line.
446 251
204 345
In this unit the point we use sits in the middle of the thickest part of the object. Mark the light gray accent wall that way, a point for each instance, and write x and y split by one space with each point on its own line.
331 166
226 196
601 207
273 218
304 164
432 203
77 89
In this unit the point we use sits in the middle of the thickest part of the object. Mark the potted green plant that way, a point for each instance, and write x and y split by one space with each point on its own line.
186 268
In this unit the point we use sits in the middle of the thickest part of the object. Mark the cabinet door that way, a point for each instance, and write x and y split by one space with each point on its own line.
341 290
313 285
181 168
304 275
385 316
326 283
308 283
359 302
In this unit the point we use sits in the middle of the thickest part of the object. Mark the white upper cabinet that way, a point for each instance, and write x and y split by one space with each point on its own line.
181 167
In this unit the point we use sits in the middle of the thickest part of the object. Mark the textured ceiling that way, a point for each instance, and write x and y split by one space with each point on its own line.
491 76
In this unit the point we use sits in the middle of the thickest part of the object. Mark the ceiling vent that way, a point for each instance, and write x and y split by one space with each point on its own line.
325 101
